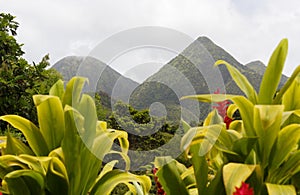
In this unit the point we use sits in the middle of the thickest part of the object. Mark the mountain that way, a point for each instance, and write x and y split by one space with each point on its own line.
260 68
191 72
101 77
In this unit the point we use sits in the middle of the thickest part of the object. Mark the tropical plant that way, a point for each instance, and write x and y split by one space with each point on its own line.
66 152
260 152
19 80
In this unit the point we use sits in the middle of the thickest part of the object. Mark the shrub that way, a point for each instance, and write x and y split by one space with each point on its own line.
259 152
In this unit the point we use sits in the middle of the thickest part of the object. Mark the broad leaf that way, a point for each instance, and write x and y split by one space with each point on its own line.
32 134
286 142
111 179
169 176
286 86
51 119
58 89
275 189
73 91
16 147
234 174
272 74
241 81
25 182
267 121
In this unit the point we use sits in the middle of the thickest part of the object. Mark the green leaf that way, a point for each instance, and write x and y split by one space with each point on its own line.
289 99
169 176
246 110
275 189
241 81
286 171
267 121
213 118
25 182
287 85
86 164
56 177
51 119
234 174
111 179
200 169
273 73
16 147
58 89
32 134
244 145
209 98
73 91
216 186
232 108
87 109
286 142
244 105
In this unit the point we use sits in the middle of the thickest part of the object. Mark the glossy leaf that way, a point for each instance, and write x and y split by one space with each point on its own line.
16 146
287 85
273 73
111 179
267 121
209 98
241 81
291 94
169 176
286 142
234 174
87 109
51 119
73 91
288 169
275 189
56 177
30 131
25 182
58 89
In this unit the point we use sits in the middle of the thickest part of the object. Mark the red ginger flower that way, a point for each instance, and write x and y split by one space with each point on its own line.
221 106
227 121
160 190
222 109
244 190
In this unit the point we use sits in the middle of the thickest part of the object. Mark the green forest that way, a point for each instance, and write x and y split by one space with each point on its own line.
58 139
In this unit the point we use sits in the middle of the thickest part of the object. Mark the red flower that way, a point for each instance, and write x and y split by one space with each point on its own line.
160 190
221 106
244 190
227 121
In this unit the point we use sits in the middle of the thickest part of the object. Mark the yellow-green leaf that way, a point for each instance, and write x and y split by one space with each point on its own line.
51 119
234 174
30 131
241 81
273 73
276 189
58 89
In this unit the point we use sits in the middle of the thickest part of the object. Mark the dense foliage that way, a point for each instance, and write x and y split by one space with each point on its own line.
249 144
66 150
258 153
19 80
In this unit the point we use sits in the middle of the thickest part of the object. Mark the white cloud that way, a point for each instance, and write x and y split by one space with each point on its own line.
249 29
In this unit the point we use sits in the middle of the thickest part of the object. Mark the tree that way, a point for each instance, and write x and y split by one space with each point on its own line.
18 79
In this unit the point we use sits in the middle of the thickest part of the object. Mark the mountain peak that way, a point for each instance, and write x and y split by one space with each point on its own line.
205 40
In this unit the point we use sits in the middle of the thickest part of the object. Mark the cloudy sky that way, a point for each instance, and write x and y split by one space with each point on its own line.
247 29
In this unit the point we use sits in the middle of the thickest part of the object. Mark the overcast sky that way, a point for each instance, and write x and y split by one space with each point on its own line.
247 29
